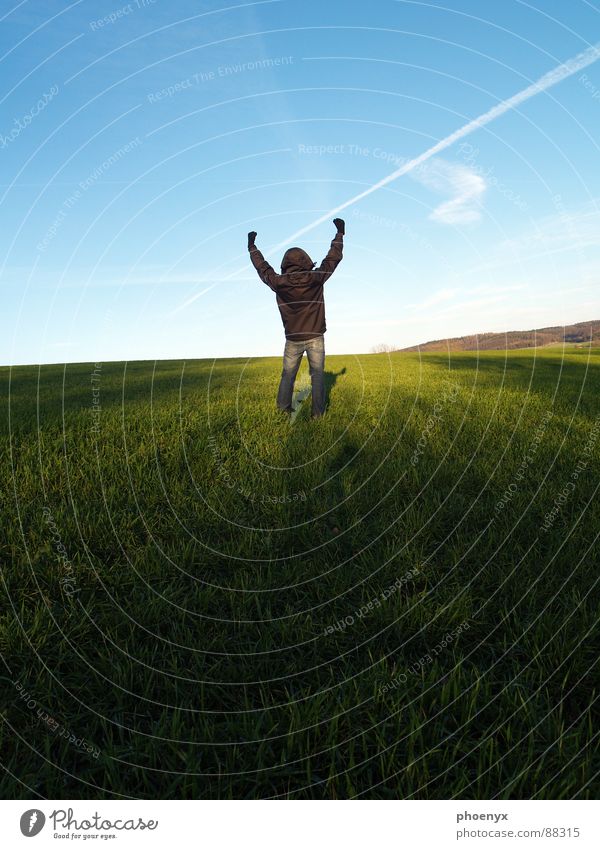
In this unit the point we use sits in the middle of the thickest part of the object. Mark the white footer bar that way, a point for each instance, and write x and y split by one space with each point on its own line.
302 824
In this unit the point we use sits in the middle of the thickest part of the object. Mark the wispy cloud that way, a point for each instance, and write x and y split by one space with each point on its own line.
114 278
566 231
465 186
452 300
437 298
546 81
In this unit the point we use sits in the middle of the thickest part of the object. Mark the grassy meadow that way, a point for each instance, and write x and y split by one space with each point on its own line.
202 599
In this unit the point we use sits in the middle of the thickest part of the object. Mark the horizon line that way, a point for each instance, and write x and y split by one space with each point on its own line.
405 350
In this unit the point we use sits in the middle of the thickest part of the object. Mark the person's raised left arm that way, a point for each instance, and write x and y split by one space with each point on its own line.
266 272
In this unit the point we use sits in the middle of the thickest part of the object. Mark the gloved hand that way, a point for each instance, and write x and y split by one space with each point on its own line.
251 238
340 224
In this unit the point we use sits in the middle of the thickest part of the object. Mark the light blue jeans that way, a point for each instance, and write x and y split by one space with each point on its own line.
292 357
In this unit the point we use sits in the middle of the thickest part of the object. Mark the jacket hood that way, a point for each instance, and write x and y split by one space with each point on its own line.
295 259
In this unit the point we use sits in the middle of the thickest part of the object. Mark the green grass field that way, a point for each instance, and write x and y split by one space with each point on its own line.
201 599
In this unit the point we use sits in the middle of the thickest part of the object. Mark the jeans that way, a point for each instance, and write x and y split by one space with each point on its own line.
292 357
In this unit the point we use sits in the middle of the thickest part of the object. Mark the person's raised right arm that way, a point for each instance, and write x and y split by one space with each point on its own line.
334 254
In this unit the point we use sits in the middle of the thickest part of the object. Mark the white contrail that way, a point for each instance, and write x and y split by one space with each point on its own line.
548 80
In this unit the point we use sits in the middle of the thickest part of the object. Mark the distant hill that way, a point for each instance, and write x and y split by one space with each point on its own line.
582 333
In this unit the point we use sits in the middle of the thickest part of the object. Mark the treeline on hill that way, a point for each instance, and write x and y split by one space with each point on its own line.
584 333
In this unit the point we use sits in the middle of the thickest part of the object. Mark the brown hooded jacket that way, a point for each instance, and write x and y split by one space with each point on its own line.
299 288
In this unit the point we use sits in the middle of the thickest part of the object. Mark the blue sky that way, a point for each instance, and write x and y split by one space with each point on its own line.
140 142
